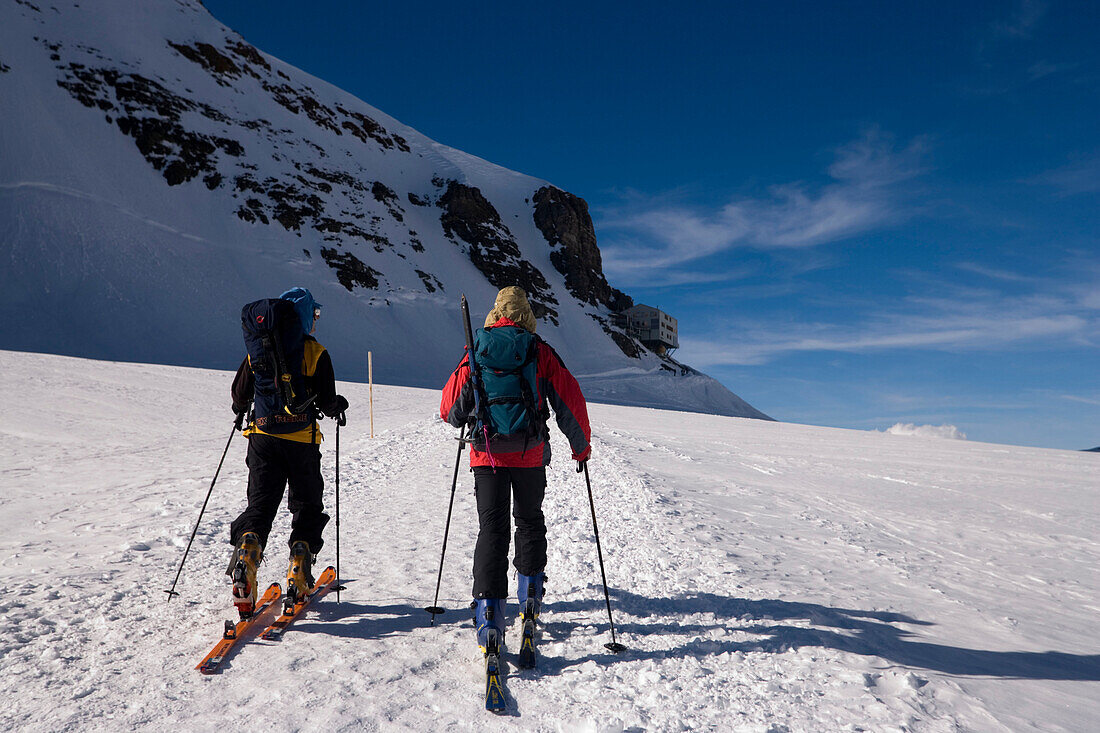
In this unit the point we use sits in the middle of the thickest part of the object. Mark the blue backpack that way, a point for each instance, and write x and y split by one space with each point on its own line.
507 358
275 341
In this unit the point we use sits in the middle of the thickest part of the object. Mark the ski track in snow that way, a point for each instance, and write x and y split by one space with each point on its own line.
764 577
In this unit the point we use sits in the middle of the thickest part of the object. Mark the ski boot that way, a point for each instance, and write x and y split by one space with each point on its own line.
242 569
489 622
299 575
530 591
530 604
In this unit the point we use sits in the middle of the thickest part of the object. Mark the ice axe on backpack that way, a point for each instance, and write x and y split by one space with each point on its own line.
466 434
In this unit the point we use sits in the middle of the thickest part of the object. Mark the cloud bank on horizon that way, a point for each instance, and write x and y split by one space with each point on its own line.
949 432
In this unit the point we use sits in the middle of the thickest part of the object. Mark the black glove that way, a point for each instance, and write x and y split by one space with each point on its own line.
336 409
239 417
240 414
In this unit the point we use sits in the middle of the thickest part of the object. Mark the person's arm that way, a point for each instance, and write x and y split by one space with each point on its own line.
243 388
457 403
564 394
324 386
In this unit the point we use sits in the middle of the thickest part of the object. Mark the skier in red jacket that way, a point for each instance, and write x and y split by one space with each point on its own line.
514 466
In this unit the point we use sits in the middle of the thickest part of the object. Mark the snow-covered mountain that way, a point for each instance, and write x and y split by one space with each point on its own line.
764 576
158 172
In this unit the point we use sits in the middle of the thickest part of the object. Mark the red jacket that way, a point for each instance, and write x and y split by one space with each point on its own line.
555 385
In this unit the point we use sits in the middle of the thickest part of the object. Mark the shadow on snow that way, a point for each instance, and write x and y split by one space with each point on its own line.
867 633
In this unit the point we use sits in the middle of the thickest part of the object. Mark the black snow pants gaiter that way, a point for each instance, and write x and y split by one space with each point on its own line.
494 490
273 463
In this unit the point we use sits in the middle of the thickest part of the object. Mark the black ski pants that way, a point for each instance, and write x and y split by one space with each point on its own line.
273 463
495 489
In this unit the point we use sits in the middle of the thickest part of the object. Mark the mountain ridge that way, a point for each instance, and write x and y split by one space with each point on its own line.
173 161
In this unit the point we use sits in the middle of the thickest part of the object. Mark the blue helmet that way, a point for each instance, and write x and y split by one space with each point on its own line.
304 305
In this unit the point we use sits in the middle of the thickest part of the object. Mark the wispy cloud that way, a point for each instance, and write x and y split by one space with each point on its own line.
677 279
1078 177
1043 68
992 272
1085 400
970 323
760 348
866 190
1003 66
1022 22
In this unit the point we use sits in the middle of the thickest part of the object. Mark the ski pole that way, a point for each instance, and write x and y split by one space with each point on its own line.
341 420
236 426
434 609
612 645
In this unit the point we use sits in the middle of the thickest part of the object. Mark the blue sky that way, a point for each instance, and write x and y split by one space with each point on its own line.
861 213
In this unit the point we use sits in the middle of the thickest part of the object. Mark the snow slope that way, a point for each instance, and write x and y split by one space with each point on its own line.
159 172
765 576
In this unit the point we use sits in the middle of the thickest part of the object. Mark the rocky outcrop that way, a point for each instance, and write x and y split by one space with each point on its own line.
350 270
468 216
146 111
161 122
564 220
431 282
386 196
240 58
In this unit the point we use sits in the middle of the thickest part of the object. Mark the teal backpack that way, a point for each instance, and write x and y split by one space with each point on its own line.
507 357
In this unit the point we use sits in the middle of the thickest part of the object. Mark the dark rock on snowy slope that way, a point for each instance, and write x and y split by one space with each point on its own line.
564 220
163 170
350 271
468 215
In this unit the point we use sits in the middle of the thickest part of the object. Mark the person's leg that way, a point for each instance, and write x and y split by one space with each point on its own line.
529 488
266 482
306 499
248 533
493 490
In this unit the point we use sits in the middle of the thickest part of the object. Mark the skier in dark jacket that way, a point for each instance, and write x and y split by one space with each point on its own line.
290 455
516 469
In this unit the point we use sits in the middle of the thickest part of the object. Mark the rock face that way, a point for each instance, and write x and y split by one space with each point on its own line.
468 216
149 160
564 220
350 270
151 114
163 125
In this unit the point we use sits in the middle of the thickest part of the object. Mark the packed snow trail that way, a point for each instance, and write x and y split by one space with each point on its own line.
763 576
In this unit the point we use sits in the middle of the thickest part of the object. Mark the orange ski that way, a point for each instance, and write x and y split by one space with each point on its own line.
323 585
213 661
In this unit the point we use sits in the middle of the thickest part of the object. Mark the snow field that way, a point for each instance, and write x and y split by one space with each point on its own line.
764 576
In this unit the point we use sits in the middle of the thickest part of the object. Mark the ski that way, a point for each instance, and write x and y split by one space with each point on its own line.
494 687
212 662
527 644
324 584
